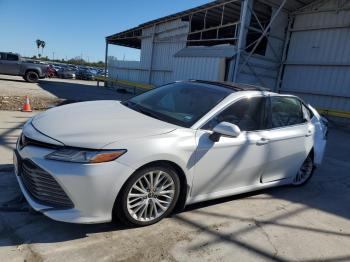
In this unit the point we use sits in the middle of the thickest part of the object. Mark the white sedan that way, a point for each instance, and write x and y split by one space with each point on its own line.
175 145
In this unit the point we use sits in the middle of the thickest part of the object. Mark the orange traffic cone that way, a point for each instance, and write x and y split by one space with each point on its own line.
26 106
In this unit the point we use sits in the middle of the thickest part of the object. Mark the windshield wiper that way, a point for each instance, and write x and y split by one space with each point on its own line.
141 109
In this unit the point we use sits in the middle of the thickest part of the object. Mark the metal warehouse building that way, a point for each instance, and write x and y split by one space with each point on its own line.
293 46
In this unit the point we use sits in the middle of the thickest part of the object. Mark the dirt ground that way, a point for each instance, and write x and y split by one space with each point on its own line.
52 92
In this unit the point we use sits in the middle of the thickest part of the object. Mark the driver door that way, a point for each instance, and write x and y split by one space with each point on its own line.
231 162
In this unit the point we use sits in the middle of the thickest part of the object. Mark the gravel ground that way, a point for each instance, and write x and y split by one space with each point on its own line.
52 92
37 103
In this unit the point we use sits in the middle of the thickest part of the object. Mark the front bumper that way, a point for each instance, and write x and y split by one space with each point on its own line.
92 188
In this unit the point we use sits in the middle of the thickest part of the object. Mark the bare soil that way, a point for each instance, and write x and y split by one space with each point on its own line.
14 103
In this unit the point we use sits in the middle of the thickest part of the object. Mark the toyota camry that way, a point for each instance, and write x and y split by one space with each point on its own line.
172 146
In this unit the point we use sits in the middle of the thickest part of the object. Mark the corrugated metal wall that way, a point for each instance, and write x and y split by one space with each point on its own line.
318 61
157 55
203 68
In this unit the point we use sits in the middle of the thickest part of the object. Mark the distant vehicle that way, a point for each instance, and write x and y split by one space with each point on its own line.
101 73
51 71
14 64
85 74
66 73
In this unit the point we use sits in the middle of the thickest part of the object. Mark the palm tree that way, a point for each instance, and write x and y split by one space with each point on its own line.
42 46
38 44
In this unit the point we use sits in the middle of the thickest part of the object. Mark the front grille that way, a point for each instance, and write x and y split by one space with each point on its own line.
42 186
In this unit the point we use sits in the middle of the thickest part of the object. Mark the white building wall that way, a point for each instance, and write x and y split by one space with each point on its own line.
200 68
157 55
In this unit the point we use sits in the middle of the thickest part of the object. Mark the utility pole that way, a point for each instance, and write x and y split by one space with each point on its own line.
53 56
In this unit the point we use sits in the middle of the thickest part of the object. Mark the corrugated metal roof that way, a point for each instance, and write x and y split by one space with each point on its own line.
207 51
291 5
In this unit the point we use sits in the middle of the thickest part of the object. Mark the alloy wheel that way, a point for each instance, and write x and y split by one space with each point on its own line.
304 172
150 196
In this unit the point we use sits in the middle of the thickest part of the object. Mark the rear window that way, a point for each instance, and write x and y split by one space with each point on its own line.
12 57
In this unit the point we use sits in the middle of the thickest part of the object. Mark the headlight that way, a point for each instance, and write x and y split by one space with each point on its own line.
85 156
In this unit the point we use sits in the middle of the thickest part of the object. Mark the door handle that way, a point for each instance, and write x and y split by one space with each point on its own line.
309 133
262 141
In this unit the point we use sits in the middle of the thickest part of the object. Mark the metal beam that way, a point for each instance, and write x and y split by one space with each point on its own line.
300 29
295 63
151 62
245 19
106 61
263 34
213 28
315 93
284 54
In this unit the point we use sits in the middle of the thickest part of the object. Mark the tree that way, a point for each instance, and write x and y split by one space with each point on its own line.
38 44
42 47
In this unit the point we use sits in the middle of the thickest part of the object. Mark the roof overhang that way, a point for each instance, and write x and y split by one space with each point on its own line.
132 37
223 51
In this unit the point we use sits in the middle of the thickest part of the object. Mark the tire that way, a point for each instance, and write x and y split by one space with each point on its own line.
305 172
146 209
31 76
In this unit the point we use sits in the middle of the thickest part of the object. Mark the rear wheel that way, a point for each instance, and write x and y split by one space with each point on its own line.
31 77
305 172
149 196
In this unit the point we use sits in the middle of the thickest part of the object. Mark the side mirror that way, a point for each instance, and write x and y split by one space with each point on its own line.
226 129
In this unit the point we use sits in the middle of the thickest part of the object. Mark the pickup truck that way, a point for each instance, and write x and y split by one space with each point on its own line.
14 64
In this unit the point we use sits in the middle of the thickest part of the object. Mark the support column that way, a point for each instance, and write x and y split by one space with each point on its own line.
151 59
106 61
242 36
284 55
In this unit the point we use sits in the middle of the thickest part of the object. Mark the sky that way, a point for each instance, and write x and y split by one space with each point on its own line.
73 28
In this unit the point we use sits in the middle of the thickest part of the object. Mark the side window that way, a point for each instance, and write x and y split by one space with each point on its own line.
12 57
247 114
1 56
286 111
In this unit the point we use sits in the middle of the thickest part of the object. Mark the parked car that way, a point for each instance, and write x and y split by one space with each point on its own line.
51 71
175 145
85 74
14 64
66 73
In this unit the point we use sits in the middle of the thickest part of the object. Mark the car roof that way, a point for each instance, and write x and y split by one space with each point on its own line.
230 85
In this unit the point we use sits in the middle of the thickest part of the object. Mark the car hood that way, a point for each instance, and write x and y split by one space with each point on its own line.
97 123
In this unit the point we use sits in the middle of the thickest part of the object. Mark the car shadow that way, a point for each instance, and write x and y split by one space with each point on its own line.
77 91
12 80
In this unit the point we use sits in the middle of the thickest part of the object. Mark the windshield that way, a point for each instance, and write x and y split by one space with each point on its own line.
182 103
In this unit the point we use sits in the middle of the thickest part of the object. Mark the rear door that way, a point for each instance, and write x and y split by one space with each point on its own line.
289 139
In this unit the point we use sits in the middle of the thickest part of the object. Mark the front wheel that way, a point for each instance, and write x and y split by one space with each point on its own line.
31 77
305 172
149 196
